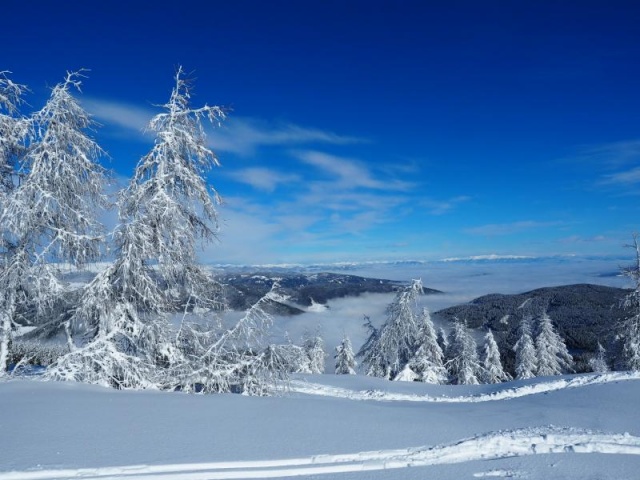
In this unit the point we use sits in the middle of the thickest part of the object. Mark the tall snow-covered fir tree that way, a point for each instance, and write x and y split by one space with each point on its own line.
492 371
526 359
13 133
552 355
388 349
630 326
51 213
427 363
345 359
164 211
463 364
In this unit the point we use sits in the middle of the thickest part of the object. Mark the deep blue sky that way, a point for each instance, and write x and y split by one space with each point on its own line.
372 130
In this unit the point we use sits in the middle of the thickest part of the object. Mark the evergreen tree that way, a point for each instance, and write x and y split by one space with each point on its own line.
388 349
443 340
552 355
630 326
463 365
492 366
345 359
427 362
165 209
599 362
13 130
526 360
314 347
51 214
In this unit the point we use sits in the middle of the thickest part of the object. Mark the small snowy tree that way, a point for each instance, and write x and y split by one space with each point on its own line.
443 340
345 359
427 362
598 363
526 360
492 371
463 365
630 326
314 347
51 214
552 355
389 348
234 360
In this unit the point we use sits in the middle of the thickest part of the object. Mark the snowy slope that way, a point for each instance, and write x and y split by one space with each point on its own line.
346 427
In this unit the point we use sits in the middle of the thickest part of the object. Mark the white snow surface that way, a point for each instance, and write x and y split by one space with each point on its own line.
326 426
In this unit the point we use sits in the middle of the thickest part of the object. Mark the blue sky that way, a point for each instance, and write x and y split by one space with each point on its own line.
372 130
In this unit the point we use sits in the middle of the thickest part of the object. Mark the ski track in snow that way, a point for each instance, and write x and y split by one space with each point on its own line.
506 394
490 446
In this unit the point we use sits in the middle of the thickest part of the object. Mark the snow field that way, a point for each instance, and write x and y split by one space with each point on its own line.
570 427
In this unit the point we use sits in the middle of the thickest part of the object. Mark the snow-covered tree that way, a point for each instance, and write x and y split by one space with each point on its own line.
164 211
463 365
552 355
630 326
443 340
235 359
492 371
526 360
13 131
389 348
314 347
427 363
345 359
51 214
598 363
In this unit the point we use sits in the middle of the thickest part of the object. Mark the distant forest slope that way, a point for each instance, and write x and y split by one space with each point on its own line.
584 315
301 289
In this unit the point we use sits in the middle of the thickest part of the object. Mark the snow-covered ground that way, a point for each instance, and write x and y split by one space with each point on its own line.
326 426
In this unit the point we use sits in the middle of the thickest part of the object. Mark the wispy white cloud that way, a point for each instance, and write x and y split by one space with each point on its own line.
441 207
610 154
495 229
349 173
625 178
243 136
262 178
573 239
238 135
124 115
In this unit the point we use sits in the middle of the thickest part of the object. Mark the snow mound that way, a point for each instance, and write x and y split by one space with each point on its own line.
490 446
308 388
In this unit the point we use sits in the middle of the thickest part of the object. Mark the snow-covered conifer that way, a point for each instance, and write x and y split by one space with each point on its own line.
630 326
492 371
598 363
345 359
235 359
165 209
443 340
526 360
389 348
314 347
552 355
427 362
463 365
13 131
51 214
